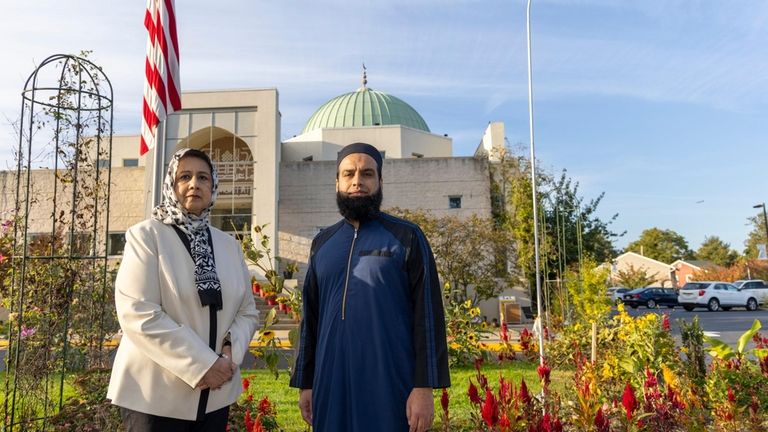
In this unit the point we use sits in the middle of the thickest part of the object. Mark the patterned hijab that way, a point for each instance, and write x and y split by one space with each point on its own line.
171 212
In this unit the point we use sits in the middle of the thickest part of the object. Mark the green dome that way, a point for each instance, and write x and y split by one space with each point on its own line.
365 107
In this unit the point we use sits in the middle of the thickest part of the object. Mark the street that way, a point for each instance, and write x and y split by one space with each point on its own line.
726 326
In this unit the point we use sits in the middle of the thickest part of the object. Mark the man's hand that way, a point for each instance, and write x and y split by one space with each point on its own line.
217 375
305 405
420 409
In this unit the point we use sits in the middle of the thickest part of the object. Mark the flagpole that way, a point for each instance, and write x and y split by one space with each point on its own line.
533 190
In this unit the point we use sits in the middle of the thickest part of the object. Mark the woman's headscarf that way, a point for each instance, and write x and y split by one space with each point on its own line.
171 212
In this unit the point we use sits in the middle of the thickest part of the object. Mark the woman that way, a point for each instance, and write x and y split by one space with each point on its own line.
184 304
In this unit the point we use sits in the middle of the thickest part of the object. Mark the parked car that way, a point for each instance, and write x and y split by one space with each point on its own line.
715 296
650 297
617 293
756 286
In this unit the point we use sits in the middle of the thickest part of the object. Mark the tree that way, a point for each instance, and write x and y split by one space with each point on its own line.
587 289
666 246
468 253
756 236
717 251
569 230
633 277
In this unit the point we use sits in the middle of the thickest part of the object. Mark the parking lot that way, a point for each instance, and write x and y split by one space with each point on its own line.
727 326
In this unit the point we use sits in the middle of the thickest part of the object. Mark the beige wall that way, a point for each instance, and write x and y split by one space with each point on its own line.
126 147
397 141
492 142
308 203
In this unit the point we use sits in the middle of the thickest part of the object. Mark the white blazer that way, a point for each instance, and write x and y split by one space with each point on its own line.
164 350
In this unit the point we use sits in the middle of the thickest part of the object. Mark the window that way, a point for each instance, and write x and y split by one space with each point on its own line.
103 163
116 243
130 162
454 202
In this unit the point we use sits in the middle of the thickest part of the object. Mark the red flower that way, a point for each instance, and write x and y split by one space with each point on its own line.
601 422
524 394
544 371
478 363
504 390
629 401
665 323
504 334
246 384
248 421
504 422
650 379
474 397
490 410
444 401
731 396
546 424
265 406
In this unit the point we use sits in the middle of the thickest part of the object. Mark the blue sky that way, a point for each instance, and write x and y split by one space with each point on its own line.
662 105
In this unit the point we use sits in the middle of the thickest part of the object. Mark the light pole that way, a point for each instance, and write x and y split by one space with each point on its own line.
765 220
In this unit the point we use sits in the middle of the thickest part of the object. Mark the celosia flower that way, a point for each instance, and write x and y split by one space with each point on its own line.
246 384
546 424
504 334
629 401
444 401
731 396
504 422
601 422
524 395
490 410
650 379
248 420
665 323
504 390
265 406
543 370
478 363
474 397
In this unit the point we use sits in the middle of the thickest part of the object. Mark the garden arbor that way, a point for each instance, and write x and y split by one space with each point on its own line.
57 278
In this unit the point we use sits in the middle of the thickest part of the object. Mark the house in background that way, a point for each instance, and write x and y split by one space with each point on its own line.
662 273
685 269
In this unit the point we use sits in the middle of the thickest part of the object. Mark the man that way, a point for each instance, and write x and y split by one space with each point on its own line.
373 335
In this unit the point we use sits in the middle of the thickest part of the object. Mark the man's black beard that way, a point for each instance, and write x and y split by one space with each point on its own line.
359 209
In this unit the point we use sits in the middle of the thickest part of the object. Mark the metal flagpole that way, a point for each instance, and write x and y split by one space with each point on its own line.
533 189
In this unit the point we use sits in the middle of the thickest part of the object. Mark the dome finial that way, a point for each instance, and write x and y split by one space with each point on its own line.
365 78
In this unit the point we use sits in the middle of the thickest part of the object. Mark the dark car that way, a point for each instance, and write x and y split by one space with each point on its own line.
651 297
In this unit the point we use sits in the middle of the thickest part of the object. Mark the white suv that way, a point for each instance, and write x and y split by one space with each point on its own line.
756 286
715 296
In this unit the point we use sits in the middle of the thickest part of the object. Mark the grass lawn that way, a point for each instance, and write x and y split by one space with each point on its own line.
286 398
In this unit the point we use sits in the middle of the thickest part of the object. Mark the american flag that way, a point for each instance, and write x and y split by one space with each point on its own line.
162 90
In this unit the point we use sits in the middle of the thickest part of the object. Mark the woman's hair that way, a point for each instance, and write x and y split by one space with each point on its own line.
200 155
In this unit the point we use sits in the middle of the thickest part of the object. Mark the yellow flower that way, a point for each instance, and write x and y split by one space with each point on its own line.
472 337
474 312
467 304
454 345
267 335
